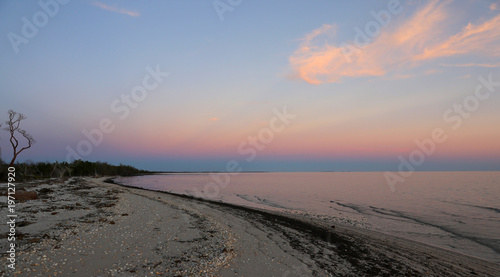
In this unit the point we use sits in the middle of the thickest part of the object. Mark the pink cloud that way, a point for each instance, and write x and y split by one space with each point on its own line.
482 38
473 65
214 119
115 9
398 46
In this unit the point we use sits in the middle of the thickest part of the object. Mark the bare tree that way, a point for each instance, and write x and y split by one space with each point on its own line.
12 127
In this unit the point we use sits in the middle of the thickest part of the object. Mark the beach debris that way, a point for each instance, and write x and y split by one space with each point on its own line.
26 195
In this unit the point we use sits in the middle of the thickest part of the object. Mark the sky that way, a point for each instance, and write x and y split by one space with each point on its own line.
266 85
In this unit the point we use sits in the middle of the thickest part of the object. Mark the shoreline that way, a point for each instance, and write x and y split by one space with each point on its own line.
176 233
304 219
329 233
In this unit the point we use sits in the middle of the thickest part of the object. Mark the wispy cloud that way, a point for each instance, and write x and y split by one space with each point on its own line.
473 65
402 45
115 9
213 119
482 38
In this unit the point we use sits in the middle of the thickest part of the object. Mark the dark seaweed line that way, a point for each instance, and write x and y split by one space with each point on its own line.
347 248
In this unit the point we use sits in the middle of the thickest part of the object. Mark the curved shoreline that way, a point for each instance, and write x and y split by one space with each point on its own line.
428 214
362 247
86 227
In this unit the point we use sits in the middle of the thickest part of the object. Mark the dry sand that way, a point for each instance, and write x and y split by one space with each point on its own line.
86 227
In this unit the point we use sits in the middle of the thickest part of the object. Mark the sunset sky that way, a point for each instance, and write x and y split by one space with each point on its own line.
362 81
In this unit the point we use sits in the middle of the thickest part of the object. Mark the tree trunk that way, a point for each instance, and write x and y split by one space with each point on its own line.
13 160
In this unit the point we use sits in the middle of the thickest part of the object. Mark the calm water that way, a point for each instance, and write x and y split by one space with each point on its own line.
459 211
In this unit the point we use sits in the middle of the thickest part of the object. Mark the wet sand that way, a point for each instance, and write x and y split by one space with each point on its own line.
86 227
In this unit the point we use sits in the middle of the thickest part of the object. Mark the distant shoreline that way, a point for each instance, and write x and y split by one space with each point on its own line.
332 171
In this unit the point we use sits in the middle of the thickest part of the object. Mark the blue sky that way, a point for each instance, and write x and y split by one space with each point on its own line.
226 77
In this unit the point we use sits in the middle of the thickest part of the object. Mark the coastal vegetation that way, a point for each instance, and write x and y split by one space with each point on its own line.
42 170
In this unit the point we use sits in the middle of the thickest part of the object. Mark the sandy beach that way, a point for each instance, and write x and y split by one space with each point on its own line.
87 227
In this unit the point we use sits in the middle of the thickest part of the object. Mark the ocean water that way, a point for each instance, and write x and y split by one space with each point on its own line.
458 211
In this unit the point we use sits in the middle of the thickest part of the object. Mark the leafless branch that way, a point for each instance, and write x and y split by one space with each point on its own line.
12 127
